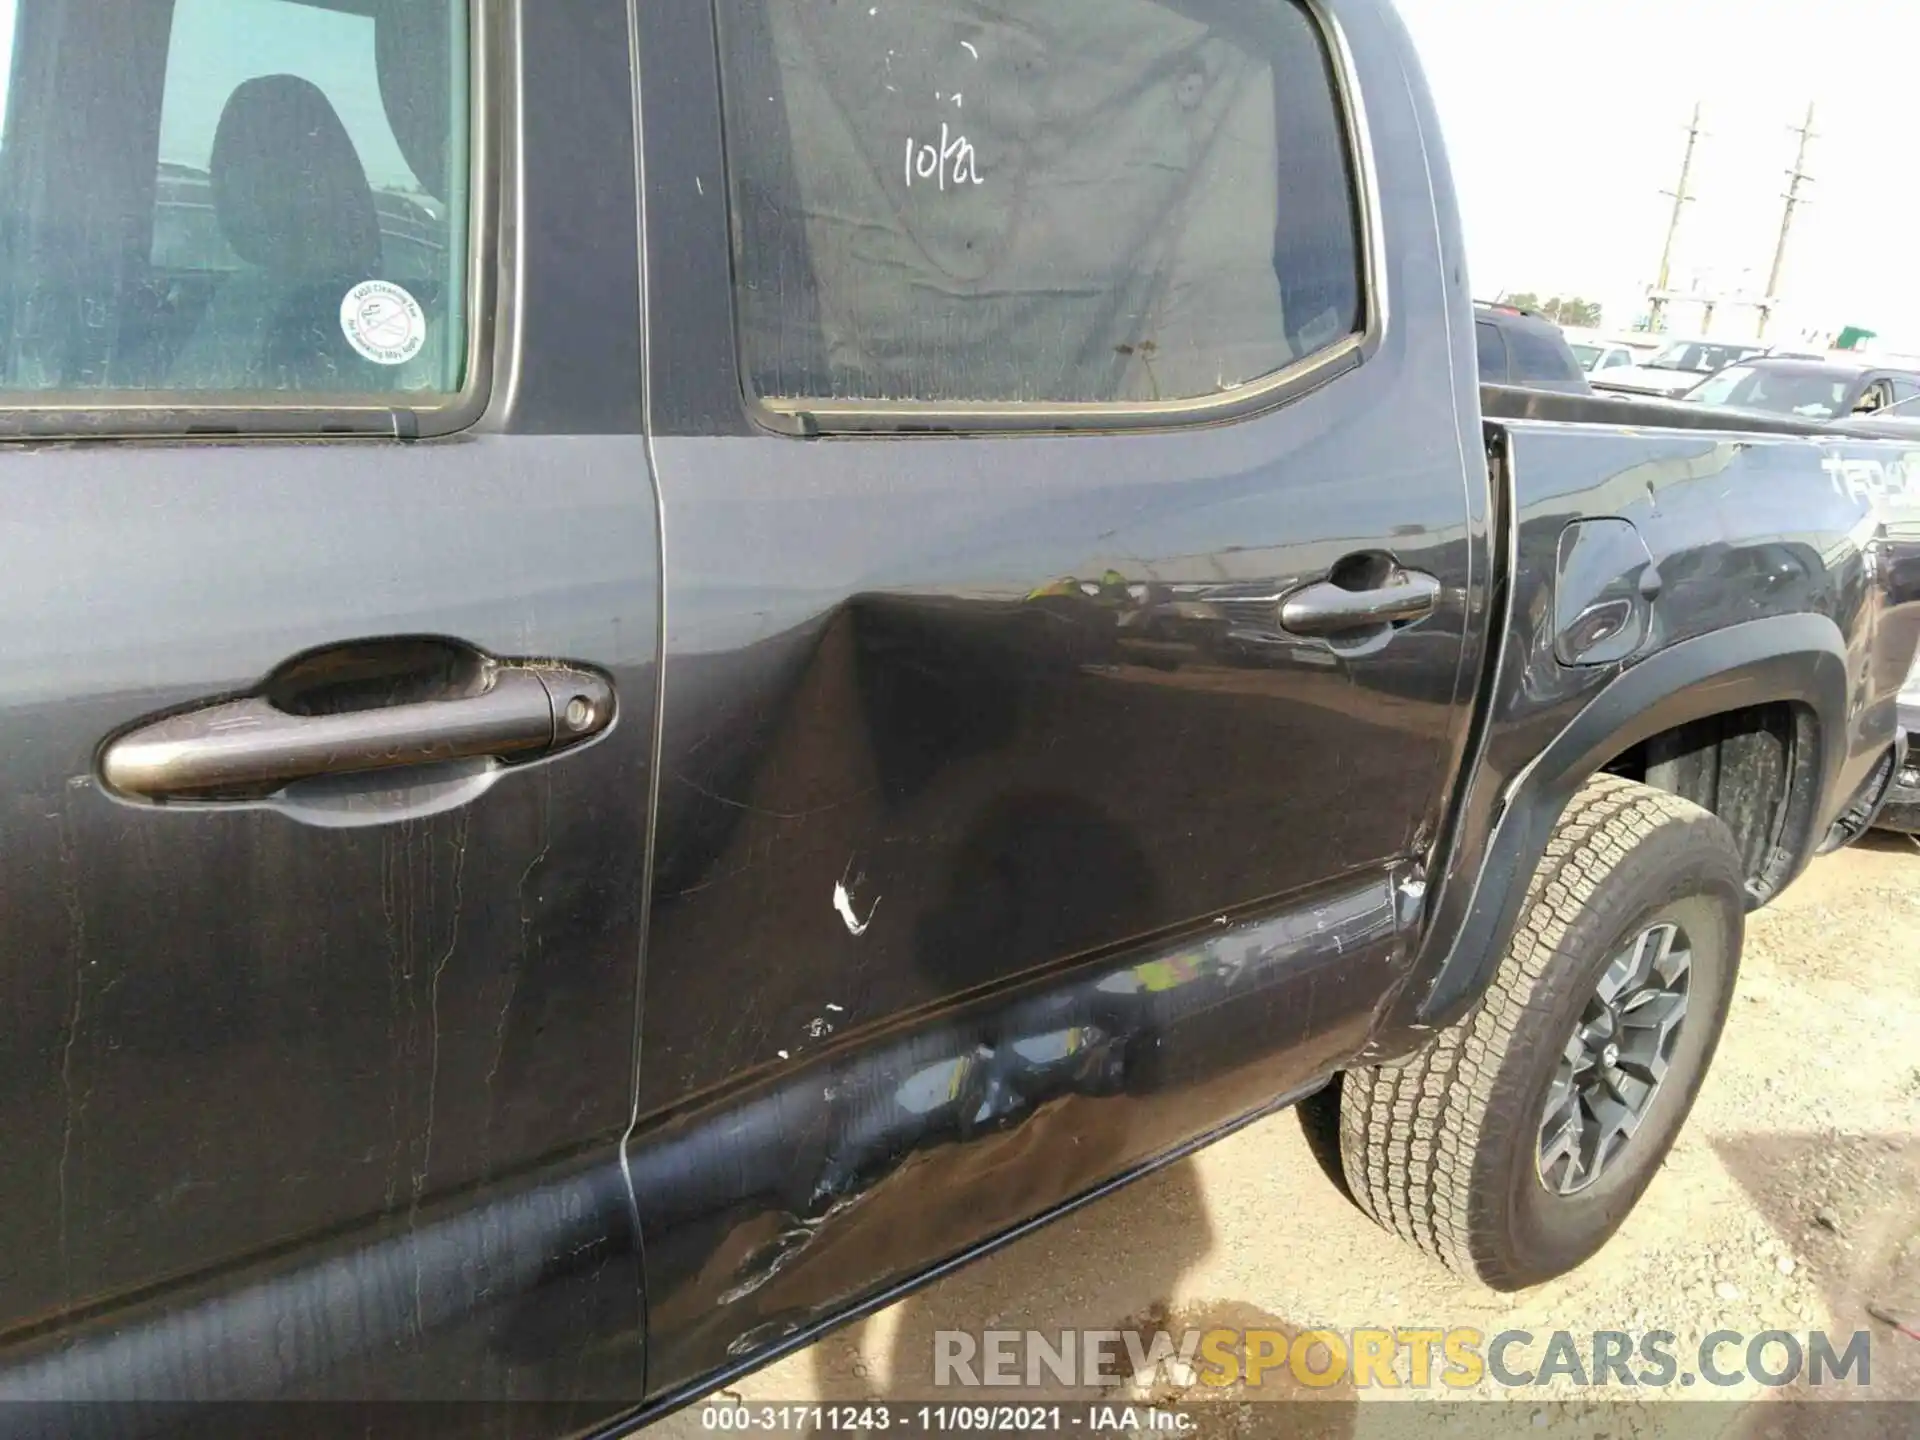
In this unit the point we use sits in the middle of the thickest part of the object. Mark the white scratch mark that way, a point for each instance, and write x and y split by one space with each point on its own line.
967 45
837 1010
77 937
956 98
433 1069
843 902
698 186
783 1054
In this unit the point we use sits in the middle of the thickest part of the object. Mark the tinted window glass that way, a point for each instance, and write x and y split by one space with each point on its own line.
272 196
1493 353
1904 389
1816 394
1720 389
1539 355
1699 358
1071 201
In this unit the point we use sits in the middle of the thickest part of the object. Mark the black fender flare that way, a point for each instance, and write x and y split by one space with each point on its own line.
1799 659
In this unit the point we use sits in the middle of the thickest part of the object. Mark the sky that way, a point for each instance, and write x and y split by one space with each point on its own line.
1565 119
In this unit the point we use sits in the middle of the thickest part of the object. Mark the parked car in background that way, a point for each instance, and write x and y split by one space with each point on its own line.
1676 367
1524 348
1596 353
1902 416
1903 800
188 240
1817 389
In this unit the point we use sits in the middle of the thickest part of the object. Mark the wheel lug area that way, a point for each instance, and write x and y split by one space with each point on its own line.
1603 1085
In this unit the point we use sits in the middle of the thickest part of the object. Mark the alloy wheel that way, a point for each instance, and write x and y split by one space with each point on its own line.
1614 1062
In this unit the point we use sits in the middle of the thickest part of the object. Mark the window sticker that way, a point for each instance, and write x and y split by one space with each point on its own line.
383 322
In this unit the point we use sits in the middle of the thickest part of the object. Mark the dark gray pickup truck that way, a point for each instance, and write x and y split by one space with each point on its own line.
669 665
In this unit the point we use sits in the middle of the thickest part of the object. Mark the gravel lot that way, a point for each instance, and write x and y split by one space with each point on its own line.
1791 1202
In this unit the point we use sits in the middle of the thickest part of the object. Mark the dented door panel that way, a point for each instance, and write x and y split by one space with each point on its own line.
819 1184
954 730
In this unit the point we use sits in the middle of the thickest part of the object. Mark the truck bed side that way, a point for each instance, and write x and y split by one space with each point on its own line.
1728 613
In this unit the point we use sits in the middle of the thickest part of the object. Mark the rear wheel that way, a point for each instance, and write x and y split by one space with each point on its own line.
1514 1145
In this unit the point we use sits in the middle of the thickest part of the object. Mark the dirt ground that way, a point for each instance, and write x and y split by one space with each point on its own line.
1791 1202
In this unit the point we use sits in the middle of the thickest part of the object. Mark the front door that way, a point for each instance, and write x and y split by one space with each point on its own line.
328 582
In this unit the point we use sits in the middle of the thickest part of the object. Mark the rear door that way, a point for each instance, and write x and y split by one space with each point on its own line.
328 577
1008 377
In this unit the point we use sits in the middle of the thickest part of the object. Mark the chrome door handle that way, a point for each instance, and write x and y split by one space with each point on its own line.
1329 609
244 748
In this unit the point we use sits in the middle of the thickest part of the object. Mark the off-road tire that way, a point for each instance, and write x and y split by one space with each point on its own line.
1443 1148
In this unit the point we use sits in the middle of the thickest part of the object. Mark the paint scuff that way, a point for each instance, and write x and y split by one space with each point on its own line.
843 904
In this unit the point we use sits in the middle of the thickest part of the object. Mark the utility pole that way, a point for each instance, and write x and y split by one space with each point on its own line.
1658 303
1795 178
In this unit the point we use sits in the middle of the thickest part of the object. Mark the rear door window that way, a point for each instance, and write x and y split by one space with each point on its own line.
1875 394
271 199
1538 356
1109 202
1493 353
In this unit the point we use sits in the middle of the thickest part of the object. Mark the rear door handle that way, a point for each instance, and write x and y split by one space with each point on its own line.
244 748
1330 609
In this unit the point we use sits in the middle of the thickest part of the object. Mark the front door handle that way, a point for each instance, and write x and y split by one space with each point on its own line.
1330 609
248 747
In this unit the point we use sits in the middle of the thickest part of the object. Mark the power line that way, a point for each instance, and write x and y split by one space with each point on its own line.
1681 197
1796 177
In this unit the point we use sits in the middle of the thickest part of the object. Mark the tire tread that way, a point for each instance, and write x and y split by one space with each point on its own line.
1410 1132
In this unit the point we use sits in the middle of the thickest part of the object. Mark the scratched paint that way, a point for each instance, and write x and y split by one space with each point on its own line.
843 906
238 1031
897 1152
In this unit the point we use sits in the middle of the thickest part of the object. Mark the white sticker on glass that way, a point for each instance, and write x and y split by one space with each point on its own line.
383 322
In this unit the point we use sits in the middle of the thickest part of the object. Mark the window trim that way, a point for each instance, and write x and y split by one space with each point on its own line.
195 415
806 418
